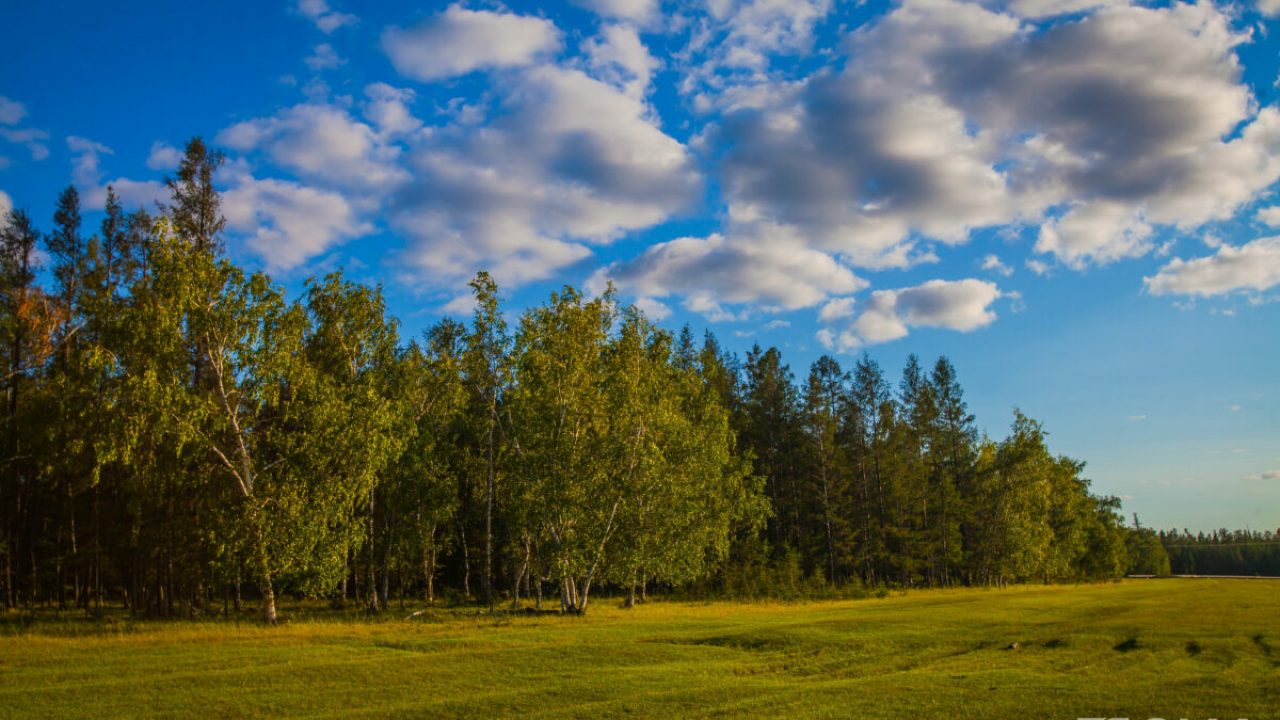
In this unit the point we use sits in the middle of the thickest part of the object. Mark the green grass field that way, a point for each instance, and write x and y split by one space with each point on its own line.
1139 649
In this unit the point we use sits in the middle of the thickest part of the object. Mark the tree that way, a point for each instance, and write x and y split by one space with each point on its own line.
487 375
824 399
353 346
195 209
951 458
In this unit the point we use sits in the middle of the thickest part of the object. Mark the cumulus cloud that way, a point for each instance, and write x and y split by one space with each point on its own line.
618 57
388 109
86 173
11 111
6 206
1098 232
326 18
836 309
286 223
761 266
1252 266
163 156
324 57
962 305
993 263
636 11
1270 8
654 309
321 143
1269 216
460 41
1268 475
949 117
755 30
569 161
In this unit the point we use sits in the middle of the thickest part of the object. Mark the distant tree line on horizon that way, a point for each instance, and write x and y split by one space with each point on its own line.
1223 552
178 433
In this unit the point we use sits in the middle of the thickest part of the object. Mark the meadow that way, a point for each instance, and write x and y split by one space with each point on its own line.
1136 649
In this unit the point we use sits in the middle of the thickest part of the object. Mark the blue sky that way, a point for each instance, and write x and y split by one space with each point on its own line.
1075 200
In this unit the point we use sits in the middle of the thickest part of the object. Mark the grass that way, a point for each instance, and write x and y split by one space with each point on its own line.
1139 649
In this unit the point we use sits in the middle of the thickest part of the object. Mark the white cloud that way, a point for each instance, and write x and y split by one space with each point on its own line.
637 11
322 143
1137 418
836 309
654 309
30 138
962 305
86 173
1270 8
1252 266
992 263
6 205
163 156
1268 475
755 30
388 109
326 18
1050 8
11 111
1099 232
757 265
1269 215
843 341
459 41
288 224
949 117
618 57
1039 267
324 57
569 161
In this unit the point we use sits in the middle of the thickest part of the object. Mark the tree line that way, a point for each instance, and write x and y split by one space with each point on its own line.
179 433
1223 552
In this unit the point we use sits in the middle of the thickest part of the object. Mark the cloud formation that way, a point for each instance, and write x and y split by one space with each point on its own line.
640 12
288 224
460 41
772 269
569 161
163 156
86 173
322 143
324 57
1252 266
326 18
11 111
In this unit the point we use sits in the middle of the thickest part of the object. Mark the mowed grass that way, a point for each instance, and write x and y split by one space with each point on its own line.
1138 649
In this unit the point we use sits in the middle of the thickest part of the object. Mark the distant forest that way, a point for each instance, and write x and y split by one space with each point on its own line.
181 438
1223 552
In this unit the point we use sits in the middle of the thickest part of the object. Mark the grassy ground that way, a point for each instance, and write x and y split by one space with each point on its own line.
1140 649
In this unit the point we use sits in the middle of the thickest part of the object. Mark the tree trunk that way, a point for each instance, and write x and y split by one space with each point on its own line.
429 568
263 568
488 514
373 576
466 560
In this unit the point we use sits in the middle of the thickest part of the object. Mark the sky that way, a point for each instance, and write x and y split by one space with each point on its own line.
1074 200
